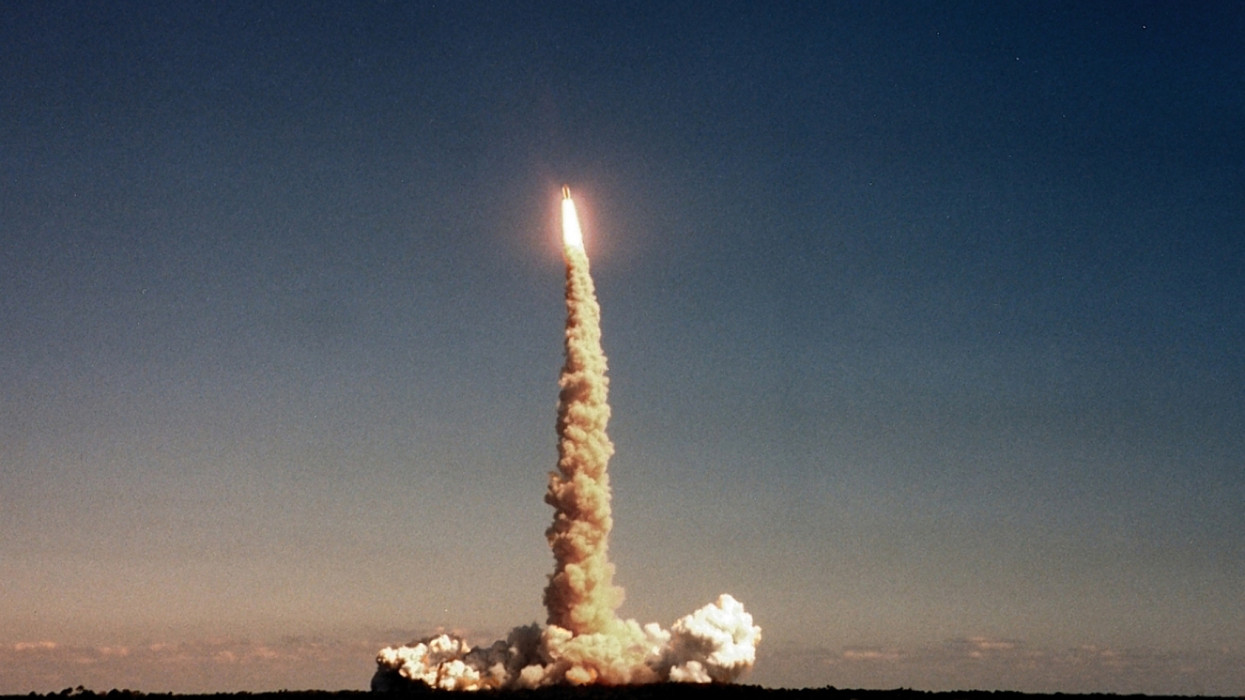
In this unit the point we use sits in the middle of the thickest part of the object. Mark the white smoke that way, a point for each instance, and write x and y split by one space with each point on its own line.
715 644
584 641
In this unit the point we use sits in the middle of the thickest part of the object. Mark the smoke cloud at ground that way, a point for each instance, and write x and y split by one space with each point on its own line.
584 640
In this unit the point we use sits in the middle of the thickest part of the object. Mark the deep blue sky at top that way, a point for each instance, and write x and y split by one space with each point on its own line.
997 177
867 269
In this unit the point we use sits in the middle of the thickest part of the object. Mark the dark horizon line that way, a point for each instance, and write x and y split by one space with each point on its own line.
653 691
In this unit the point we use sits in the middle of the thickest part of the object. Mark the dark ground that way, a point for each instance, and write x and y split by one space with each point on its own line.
667 691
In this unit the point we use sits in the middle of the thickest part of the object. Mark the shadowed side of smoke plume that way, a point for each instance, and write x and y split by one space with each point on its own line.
585 641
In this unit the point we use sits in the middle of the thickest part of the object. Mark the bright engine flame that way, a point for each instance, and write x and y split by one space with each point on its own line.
572 237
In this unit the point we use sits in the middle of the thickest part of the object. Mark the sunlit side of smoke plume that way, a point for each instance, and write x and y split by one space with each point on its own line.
584 641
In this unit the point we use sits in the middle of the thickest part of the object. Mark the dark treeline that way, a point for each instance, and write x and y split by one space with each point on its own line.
660 691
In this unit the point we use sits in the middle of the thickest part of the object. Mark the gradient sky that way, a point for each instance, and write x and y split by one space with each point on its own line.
925 323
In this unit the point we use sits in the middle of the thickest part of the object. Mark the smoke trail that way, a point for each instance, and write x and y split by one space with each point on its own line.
584 641
581 596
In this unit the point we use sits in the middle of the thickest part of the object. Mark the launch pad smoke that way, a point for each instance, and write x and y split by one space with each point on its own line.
584 640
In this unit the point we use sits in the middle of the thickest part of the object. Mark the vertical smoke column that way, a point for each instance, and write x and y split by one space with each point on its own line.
581 596
585 641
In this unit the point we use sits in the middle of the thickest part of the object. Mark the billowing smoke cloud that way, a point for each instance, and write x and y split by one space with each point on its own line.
712 645
584 641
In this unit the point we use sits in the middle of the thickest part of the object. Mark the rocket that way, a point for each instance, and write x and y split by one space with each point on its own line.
566 192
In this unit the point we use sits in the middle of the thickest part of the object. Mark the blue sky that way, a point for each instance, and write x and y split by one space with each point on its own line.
924 324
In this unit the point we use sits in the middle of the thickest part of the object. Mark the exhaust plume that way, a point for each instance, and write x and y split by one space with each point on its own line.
584 640
581 596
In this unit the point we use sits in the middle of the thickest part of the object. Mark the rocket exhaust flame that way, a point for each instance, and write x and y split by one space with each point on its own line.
584 641
572 237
